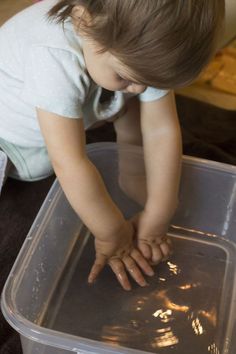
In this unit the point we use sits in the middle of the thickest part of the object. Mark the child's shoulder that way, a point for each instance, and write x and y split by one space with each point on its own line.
32 27
32 23
32 13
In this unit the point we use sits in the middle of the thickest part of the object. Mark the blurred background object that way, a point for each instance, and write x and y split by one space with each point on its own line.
217 83
230 25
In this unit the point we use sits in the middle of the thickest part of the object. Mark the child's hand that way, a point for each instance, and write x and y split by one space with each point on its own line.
121 255
152 240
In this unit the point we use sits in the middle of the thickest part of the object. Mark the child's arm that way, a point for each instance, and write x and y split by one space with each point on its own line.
85 190
159 133
162 154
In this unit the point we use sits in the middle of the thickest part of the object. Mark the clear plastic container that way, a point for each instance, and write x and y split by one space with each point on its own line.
189 305
3 163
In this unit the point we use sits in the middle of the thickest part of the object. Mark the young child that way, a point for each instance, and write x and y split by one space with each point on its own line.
55 58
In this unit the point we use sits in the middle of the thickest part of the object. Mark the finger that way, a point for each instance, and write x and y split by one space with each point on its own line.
134 271
145 250
118 268
165 249
156 254
142 262
170 244
97 267
134 220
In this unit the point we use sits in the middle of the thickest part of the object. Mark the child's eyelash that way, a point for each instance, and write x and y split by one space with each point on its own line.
120 78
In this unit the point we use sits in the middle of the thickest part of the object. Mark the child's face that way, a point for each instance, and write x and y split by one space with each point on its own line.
107 71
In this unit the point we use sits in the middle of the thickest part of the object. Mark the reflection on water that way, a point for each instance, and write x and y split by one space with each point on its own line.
161 326
165 339
159 335
164 315
197 326
173 268
188 286
178 311
211 316
213 349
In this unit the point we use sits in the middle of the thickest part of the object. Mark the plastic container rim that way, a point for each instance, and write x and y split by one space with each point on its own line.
50 337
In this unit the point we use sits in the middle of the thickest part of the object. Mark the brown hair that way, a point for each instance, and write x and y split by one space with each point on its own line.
165 43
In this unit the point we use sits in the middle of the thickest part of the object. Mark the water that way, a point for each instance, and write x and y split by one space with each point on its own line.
179 312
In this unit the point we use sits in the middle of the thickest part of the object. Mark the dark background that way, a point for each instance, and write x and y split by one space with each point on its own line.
208 132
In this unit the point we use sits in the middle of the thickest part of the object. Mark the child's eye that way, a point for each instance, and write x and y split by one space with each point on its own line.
123 80
120 78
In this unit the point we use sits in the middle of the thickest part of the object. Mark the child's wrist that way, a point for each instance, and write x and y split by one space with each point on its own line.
114 231
159 213
152 225
155 218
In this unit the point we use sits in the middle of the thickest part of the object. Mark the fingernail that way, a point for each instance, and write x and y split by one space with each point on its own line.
91 279
145 284
128 288
150 273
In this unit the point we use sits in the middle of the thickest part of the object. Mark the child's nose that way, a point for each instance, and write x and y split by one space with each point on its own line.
136 88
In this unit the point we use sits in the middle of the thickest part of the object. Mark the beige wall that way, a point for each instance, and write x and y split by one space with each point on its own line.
10 7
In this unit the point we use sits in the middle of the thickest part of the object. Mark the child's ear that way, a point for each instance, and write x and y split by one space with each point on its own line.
80 17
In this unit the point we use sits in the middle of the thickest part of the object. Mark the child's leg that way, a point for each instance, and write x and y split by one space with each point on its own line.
27 163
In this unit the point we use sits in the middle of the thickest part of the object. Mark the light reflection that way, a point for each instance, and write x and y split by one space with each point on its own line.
162 279
197 327
213 349
162 314
152 313
189 286
165 340
173 268
140 302
163 330
177 307
134 323
137 304
119 334
191 315
161 294
109 338
169 304
211 315
193 231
